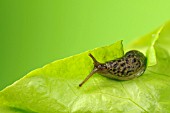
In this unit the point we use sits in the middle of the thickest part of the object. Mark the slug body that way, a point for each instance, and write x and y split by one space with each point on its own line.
131 65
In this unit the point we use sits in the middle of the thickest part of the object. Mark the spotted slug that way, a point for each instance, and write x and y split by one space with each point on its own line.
131 65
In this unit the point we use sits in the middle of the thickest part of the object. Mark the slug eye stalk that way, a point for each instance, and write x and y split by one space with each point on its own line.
92 73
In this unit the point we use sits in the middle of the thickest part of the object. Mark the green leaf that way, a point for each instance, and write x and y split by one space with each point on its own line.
54 87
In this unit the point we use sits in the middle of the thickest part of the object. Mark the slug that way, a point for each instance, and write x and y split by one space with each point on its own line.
131 65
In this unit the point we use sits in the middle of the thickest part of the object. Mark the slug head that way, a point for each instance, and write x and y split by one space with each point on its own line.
98 67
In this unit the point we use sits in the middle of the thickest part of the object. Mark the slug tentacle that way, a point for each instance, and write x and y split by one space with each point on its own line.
92 73
95 62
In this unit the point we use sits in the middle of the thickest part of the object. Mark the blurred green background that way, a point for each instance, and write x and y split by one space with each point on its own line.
36 32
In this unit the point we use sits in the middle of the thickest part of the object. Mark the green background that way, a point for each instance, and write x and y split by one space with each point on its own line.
36 32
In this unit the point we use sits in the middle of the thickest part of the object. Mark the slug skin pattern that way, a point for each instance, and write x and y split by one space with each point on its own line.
131 65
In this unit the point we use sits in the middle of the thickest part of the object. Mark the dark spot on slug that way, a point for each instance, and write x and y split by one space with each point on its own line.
130 55
122 64
133 60
115 65
128 66
118 71
119 60
127 61
114 73
114 69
